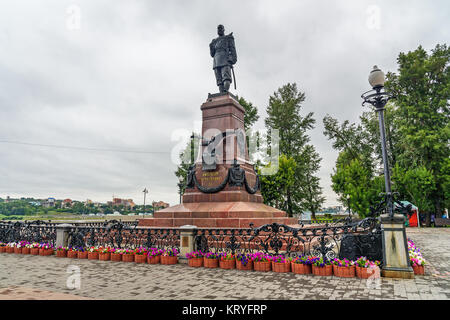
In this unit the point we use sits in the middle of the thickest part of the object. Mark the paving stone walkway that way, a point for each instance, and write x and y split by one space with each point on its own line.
35 277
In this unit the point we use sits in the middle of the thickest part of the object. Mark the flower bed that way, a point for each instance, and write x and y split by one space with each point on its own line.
244 261
227 261
154 256
281 264
366 268
416 259
211 260
262 262
169 256
140 255
195 259
302 265
344 268
322 267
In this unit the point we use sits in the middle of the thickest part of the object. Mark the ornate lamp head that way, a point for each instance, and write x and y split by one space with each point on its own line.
376 78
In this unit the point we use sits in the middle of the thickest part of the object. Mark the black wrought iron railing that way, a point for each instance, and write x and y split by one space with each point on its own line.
27 231
343 239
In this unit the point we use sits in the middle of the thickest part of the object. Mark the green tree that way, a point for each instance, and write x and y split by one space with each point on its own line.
422 90
251 113
351 179
274 187
285 114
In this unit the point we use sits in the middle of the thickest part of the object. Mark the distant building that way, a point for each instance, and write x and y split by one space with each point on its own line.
127 203
159 205
66 203
49 203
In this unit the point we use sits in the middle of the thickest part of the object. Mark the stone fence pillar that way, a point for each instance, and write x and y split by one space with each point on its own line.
395 248
62 234
187 237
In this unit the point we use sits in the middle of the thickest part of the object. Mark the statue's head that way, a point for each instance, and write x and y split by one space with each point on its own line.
220 30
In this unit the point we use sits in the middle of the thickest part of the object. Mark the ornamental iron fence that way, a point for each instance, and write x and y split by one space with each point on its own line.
37 231
341 239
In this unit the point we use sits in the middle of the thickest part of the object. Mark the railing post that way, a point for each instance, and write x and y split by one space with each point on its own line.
187 238
62 234
395 247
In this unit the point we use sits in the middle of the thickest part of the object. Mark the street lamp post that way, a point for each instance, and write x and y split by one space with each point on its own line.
396 263
348 205
145 191
378 98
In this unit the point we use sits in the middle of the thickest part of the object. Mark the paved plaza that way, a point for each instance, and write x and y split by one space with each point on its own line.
36 277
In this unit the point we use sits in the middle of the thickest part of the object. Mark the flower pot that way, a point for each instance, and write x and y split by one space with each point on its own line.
2 249
281 267
26 250
61 253
195 262
240 265
82 255
10 249
34 251
365 273
45 252
140 258
344 272
227 264
263 266
153 260
116 257
93 255
128 257
17 250
169 260
104 256
72 254
322 271
211 263
299 268
419 270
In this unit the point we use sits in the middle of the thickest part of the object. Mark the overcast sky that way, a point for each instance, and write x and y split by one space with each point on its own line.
127 75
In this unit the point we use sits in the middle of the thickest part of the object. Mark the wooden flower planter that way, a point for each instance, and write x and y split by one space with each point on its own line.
211 263
154 259
10 249
45 252
72 254
169 260
2 249
240 265
25 250
262 266
344 272
17 250
128 257
299 268
227 264
93 255
61 253
365 273
195 262
82 255
104 256
34 251
116 257
140 258
324 271
419 270
281 267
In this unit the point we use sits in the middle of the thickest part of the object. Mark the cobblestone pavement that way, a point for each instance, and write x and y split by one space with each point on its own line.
26 277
